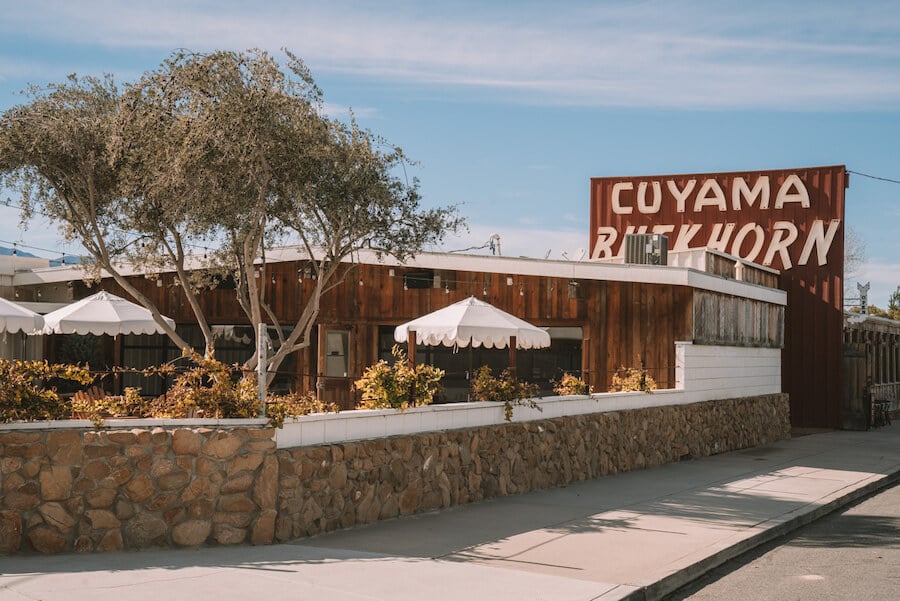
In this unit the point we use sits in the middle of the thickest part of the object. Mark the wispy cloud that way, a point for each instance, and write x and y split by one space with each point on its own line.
518 241
884 279
819 55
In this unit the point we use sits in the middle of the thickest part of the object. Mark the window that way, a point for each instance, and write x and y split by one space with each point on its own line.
336 365
234 345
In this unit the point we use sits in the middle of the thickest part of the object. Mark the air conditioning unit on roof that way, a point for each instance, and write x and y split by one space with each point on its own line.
646 249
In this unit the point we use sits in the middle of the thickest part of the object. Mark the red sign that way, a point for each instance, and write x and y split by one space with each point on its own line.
788 219
777 218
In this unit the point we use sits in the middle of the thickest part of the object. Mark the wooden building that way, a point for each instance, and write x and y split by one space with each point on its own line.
601 316
871 367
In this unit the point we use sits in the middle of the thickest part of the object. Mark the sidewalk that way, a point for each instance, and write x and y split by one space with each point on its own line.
637 535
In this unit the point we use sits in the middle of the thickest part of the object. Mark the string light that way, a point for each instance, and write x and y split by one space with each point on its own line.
881 179
136 235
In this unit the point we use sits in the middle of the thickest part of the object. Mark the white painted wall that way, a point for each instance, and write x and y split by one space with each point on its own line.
702 373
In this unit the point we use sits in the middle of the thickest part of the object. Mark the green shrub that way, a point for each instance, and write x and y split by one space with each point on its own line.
628 379
208 389
130 404
281 407
571 385
396 386
506 389
25 395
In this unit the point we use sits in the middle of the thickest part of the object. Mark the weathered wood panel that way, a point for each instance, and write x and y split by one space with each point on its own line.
721 319
719 265
641 323
760 277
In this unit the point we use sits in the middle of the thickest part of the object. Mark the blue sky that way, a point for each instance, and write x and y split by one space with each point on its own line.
511 107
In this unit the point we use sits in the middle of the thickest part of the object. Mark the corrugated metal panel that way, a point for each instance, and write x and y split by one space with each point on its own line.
789 219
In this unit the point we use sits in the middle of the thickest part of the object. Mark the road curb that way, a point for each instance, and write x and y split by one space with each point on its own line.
684 576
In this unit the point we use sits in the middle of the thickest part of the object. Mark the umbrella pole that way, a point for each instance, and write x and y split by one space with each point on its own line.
411 348
117 362
512 356
411 362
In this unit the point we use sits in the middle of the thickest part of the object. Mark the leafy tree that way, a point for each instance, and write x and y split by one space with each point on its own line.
209 146
873 310
222 152
854 255
54 149
893 310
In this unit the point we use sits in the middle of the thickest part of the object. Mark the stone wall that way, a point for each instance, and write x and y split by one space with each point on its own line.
76 490
327 487
101 490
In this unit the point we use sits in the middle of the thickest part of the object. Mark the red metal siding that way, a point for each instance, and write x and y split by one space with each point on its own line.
808 202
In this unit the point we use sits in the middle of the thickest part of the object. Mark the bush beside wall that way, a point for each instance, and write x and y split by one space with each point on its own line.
107 490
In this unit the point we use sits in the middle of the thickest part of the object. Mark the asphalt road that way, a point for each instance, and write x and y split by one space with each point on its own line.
853 554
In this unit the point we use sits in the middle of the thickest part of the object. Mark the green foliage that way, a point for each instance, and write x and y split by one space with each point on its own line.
893 311
893 307
282 407
571 385
396 386
208 389
629 379
23 394
506 389
130 404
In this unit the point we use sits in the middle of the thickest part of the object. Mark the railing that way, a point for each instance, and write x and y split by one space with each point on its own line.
887 392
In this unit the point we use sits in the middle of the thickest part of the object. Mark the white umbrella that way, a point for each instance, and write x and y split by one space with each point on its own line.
15 318
474 322
103 313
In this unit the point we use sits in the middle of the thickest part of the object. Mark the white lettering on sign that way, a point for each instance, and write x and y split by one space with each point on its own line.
780 243
798 195
685 235
740 189
819 239
720 235
617 190
757 245
606 237
777 243
649 198
710 195
681 196
749 241
652 207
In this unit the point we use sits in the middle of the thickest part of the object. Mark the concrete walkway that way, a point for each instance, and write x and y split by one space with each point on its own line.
638 535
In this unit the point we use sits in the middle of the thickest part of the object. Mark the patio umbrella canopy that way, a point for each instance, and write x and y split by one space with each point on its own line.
474 322
102 313
16 318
